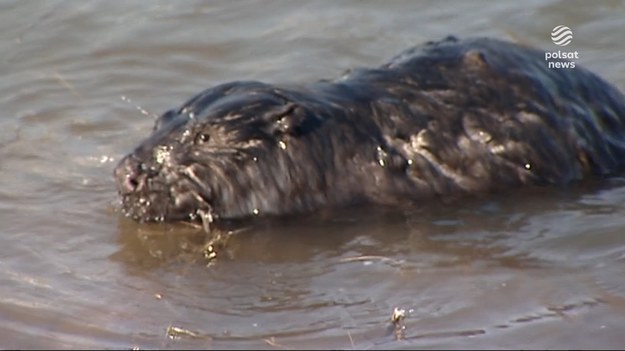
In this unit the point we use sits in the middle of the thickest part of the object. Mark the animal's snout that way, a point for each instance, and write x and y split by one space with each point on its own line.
129 176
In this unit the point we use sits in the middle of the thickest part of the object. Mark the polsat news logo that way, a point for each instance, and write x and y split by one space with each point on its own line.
562 36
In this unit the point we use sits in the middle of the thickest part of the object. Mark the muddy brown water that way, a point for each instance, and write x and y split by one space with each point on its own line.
80 83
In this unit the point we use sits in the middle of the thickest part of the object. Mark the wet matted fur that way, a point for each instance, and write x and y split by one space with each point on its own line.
442 119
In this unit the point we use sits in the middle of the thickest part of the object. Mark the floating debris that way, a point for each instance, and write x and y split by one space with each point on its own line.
209 252
216 241
397 318
177 332
351 340
272 342
398 315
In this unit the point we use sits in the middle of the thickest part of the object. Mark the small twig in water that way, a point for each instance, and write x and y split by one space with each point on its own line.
66 84
351 340
176 332
271 341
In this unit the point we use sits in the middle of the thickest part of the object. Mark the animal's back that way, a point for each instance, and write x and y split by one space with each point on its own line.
476 114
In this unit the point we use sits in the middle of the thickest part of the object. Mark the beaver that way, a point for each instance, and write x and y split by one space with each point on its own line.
440 120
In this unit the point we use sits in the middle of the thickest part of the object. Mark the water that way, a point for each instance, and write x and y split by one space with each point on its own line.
80 84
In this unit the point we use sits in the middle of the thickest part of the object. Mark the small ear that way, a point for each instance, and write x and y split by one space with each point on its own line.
286 119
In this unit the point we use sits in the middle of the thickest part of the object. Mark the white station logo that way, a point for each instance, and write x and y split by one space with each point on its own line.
561 35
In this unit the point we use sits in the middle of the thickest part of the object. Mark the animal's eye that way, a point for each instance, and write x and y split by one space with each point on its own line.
202 138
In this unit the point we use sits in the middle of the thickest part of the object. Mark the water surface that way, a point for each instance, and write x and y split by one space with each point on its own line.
80 84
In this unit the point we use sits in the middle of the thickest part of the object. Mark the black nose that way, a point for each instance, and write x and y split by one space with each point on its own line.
128 176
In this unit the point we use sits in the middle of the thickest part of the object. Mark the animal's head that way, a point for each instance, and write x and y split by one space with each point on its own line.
235 150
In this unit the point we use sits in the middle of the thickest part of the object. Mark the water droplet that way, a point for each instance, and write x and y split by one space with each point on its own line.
382 155
482 136
161 154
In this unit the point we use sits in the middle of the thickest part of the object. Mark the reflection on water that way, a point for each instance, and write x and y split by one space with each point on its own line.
82 82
